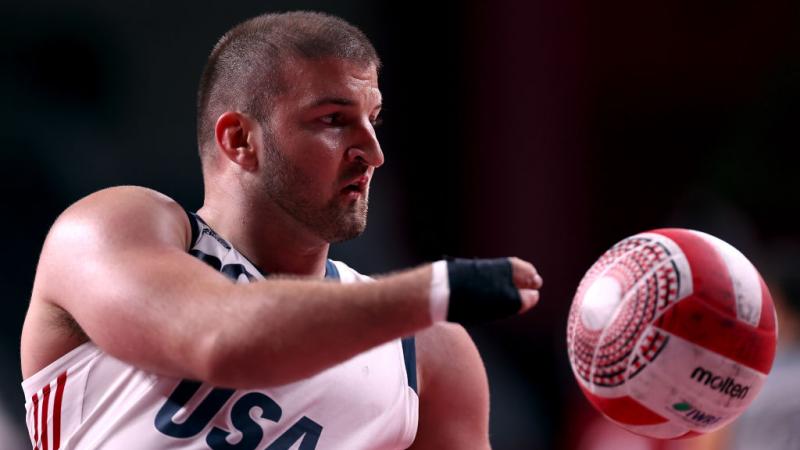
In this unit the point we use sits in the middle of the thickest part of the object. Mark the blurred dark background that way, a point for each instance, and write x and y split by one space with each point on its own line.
546 130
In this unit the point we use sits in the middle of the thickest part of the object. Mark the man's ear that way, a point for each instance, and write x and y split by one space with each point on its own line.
236 135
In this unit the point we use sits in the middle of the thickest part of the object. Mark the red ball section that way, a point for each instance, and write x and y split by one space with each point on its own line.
624 409
708 317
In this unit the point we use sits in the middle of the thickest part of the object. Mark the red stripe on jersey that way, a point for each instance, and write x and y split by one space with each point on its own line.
62 380
696 320
624 409
711 279
45 400
35 400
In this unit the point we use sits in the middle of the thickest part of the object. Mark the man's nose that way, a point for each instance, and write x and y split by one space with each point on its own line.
366 146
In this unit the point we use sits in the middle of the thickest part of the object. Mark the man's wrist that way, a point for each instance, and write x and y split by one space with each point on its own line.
440 291
471 291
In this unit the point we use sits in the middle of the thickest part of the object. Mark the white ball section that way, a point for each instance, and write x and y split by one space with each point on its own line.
600 303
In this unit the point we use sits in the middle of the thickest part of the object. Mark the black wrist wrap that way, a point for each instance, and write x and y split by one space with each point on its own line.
481 290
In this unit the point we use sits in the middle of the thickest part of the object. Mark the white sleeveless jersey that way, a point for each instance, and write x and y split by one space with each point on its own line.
88 399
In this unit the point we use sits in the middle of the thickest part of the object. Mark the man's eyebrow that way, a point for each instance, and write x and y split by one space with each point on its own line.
341 101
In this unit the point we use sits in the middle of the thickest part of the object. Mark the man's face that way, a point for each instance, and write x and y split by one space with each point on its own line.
320 145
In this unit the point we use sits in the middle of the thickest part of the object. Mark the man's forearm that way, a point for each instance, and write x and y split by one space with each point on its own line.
286 330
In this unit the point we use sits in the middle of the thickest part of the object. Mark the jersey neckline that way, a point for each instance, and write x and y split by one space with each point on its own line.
331 271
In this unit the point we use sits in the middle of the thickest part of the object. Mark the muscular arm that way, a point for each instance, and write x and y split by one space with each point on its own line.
453 391
117 263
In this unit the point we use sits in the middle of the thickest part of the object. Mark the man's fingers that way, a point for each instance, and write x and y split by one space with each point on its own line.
530 297
524 274
528 281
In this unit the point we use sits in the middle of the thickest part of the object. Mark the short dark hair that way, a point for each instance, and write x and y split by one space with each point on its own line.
243 71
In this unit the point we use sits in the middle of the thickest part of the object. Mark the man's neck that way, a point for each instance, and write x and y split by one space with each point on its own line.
276 244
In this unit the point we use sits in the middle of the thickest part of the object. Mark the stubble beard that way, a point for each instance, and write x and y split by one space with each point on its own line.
335 221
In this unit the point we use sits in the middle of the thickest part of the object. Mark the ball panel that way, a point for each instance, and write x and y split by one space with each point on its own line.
744 277
696 387
695 319
624 410
600 302
690 434
651 274
682 283
710 274
666 430
769 318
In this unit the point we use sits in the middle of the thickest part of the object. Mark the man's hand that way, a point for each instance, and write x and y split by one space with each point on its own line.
473 291
527 280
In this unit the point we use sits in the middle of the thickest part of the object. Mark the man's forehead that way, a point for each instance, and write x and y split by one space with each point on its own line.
333 80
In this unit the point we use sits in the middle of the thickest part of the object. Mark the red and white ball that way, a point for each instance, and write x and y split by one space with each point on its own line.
671 333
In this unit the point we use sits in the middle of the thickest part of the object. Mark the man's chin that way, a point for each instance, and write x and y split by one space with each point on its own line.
349 231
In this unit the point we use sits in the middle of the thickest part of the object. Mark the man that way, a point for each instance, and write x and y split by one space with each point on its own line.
136 338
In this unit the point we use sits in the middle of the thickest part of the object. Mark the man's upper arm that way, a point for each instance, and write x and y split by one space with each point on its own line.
116 261
454 392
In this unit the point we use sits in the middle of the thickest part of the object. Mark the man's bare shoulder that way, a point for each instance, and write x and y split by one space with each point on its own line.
92 234
110 219
442 339
445 352
454 391
116 211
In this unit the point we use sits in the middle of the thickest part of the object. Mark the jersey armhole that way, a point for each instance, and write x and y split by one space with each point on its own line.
410 360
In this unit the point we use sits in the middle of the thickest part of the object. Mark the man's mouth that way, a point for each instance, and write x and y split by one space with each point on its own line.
357 186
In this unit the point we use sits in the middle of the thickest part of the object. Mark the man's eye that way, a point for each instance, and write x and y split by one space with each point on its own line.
332 119
376 122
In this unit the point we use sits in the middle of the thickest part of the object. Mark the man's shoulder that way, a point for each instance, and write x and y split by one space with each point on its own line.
108 222
117 211
120 199
349 275
449 362
443 341
453 389
90 245
446 354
